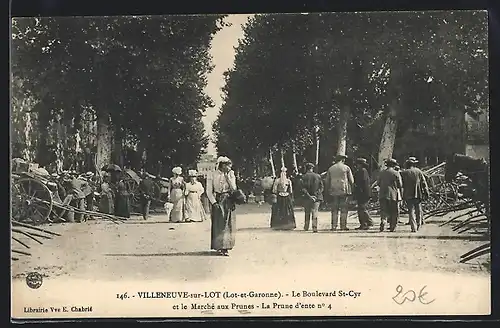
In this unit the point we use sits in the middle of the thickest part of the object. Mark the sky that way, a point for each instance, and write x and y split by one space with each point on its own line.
222 52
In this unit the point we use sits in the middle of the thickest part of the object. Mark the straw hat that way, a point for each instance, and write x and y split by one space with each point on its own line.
192 173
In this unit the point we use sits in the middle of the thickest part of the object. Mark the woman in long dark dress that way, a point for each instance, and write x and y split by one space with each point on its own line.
220 184
121 195
282 215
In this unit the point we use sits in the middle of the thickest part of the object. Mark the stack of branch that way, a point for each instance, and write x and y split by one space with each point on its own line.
60 209
474 216
32 233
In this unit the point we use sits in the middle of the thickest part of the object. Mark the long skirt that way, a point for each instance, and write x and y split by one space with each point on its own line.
177 199
106 203
282 215
122 206
206 204
223 223
194 210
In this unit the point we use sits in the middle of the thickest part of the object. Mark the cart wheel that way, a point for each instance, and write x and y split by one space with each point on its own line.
33 201
133 189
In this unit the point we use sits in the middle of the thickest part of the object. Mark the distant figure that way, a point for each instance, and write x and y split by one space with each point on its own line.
194 211
338 187
258 191
389 182
176 192
146 190
122 207
415 189
362 193
106 201
312 188
282 215
220 184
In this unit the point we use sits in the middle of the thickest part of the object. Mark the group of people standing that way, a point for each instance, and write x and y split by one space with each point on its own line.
341 182
185 197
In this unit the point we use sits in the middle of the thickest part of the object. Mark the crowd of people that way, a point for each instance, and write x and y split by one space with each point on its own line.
394 186
191 201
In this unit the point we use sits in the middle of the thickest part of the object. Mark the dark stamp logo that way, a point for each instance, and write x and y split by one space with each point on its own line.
34 280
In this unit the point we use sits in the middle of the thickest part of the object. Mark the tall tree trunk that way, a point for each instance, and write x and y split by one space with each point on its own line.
104 141
388 135
342 131
282 158
117 152
141 150
316 137
271 161
294 157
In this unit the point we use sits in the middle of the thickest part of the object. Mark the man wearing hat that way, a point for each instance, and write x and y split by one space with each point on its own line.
389 182
415 189
362 193
312 188
146 190
338 186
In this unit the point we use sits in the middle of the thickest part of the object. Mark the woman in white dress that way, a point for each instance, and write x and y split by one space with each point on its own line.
194 211
176 192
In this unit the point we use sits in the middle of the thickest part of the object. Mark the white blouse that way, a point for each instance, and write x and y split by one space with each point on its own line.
196 187
217 182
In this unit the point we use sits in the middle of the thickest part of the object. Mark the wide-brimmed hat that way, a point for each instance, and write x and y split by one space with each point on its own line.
338 157
361 160
391 162
111 168
192 173
283 169
223 159
177 170
412 160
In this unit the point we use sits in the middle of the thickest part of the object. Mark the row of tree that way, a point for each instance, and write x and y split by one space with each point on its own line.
354 80
108 85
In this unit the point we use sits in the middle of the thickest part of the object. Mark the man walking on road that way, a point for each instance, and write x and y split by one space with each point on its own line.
415 189
146 188
362 193
389 182
312 188
338 187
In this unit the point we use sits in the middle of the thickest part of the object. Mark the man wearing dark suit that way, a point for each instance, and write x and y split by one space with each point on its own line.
415 189
146 189
312 188
389 182
362 193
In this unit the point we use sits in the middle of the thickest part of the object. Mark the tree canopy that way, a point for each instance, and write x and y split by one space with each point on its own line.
295 72
146 74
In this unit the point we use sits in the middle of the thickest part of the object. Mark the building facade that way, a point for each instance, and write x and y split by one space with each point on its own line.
206 165
477 143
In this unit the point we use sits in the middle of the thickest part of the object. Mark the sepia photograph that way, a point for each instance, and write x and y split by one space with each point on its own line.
250 165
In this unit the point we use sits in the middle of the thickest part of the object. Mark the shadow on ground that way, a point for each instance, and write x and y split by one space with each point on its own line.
197 253
465 238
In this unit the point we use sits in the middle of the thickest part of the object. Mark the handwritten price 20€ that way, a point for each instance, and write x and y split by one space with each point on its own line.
411 296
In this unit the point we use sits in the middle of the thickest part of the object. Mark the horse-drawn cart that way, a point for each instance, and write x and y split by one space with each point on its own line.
32 198
38 197
160 188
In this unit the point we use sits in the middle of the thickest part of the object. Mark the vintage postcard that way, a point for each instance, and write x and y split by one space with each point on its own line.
314 164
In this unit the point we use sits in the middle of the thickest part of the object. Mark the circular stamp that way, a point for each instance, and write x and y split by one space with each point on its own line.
34 280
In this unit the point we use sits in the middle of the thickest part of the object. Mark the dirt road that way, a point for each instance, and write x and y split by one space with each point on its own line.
154 249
